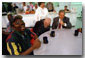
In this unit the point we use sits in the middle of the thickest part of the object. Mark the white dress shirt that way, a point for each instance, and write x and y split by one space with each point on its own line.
41 13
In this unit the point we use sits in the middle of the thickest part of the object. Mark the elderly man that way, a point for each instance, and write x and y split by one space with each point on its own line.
42 26
61 21
19 41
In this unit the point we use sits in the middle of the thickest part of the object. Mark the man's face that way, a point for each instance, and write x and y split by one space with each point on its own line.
61 15
19 25
43 5
35 5
47 22
65 8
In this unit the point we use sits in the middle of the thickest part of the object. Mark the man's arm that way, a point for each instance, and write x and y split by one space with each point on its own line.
68 24
28 51
15 49
36 45
54 26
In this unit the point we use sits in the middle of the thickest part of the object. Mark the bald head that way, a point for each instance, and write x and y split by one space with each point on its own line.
47 22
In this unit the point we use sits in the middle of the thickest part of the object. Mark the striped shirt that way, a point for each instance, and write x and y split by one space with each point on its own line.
17 43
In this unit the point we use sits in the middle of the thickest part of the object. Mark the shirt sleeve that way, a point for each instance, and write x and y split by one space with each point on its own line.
13 48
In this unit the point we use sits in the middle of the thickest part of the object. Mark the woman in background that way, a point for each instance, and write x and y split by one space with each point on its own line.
50 7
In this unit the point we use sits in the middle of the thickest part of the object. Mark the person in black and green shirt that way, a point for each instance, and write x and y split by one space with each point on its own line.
19 40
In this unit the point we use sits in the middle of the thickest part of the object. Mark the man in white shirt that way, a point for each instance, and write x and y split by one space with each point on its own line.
61 21
41 12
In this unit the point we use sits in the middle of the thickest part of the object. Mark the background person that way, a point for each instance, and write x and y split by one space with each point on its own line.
66 9
61 21
35 7
41 12
50 7
15 7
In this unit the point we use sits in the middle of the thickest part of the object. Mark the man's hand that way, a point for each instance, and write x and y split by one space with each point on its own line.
36 44
54 11
61 22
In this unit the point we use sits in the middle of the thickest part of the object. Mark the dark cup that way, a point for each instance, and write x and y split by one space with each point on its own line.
45 40
52 34
76 33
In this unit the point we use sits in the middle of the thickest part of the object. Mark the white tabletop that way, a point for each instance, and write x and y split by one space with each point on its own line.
64 43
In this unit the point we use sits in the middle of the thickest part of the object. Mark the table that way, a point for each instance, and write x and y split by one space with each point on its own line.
64 43
29 19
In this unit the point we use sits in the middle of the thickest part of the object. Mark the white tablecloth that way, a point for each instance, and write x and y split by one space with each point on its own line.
30 19
64 43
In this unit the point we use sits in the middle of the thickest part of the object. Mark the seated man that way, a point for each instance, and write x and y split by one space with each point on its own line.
66 10
61 22
18 42
42 26
5 34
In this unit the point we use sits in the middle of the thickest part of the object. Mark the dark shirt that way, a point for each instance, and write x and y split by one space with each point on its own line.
39 28
9 7
65 20
18 43
15 7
